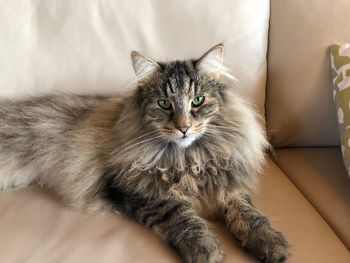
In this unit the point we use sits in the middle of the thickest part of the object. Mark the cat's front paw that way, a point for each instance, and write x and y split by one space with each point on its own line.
205 249
268 245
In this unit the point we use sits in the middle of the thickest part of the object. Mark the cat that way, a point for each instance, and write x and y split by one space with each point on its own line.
181 149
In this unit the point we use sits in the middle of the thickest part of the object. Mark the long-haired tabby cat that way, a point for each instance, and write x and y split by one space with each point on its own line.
182 148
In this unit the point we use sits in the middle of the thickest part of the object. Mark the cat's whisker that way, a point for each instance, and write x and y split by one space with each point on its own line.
139 137
219 127
140 142
228 131
218 132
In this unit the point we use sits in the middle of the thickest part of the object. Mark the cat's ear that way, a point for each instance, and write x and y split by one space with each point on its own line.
211 61
144 66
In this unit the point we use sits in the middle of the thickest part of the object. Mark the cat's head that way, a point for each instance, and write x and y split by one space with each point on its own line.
180 98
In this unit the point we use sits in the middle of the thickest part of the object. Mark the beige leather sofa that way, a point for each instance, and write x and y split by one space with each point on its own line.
279 53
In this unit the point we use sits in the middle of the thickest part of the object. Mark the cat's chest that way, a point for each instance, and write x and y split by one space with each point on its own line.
192 180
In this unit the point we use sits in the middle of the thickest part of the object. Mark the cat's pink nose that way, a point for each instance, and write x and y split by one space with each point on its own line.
183 129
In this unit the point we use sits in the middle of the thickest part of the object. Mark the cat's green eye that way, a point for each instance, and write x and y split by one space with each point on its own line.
164 104
198 101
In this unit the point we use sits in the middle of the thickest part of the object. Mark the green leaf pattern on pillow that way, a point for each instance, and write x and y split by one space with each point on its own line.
340 60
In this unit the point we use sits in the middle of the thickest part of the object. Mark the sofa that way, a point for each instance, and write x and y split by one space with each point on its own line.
277 49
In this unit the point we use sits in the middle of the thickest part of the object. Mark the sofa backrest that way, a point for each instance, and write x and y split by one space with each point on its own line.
299 105
83 46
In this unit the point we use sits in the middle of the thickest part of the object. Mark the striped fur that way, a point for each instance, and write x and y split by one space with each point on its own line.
125 154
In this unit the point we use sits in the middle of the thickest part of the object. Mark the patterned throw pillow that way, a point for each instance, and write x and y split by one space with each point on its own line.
340 59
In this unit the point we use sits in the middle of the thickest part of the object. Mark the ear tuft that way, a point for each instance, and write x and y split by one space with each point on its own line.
211 61
144 66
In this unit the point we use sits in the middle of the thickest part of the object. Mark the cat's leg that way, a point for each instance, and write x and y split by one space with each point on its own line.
253 231
174 221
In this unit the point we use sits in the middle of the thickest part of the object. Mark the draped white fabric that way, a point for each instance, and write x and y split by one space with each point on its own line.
84 46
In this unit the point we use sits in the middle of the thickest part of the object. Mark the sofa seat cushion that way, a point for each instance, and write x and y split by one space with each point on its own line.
35 227
320 175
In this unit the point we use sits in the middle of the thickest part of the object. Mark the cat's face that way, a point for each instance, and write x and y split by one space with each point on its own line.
179 99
